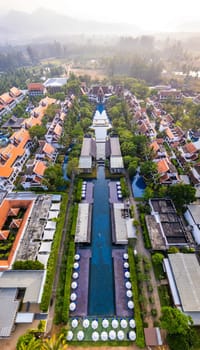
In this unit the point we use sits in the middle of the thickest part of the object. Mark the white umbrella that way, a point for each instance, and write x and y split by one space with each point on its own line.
86 323
123 323
104 336
132 335
95 336
73 296
127 274
80 335
112 335
69 335
115 323
75 275
74 285
77 257
128 285
129 293
105 323
76 265
118 183
132 323
125 256
126 265
94 324
72 306
120 335
130 304
74 323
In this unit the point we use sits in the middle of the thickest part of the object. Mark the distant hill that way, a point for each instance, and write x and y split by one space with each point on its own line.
19 26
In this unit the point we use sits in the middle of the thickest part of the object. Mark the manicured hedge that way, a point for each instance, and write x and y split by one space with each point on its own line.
51 266
74 219
147 241
138 320
78 190
124 187
66 298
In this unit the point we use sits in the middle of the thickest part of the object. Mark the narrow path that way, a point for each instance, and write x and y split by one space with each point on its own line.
59 260
144 252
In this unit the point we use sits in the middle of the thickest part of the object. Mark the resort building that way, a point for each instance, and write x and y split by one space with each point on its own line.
116 160
13 157
122 225
38 113
183 272
36 89
54 85
88 154
12 283
192 216
165 227
83 225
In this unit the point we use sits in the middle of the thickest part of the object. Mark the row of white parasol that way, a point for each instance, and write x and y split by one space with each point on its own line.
74 284
111 335
123 323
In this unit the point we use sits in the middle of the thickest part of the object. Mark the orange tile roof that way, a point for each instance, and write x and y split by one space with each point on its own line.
189 148
162 166
39 168
143 128
16 223
62 116
49 149
35 86
154 145
38 113
169 133
6 98
15 91
11 152
4 234
1 107
13 211
58 130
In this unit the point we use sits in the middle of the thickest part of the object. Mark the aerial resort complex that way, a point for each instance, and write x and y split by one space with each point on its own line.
99 220
101 291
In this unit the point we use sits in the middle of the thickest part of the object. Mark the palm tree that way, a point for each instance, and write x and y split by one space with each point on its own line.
33 344
55 343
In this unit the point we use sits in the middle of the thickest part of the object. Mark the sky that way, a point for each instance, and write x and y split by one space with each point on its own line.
147 14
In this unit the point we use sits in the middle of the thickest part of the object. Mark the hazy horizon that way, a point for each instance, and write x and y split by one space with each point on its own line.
151 16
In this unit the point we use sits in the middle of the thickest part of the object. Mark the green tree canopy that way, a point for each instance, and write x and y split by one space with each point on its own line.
181 195
28 265
157 258
37 131
174 321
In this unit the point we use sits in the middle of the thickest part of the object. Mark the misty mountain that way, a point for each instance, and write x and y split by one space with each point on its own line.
189 26
19 26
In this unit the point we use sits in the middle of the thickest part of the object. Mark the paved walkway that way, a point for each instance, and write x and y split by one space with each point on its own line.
121 300
143 251
83 284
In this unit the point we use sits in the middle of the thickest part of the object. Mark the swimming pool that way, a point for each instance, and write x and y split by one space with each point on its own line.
101 286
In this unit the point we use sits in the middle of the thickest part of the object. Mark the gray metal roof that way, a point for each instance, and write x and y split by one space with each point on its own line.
58 82
24 317
32 281
186 272
195 212
116 162
82 227
115 146
56 198
85 162
8 308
